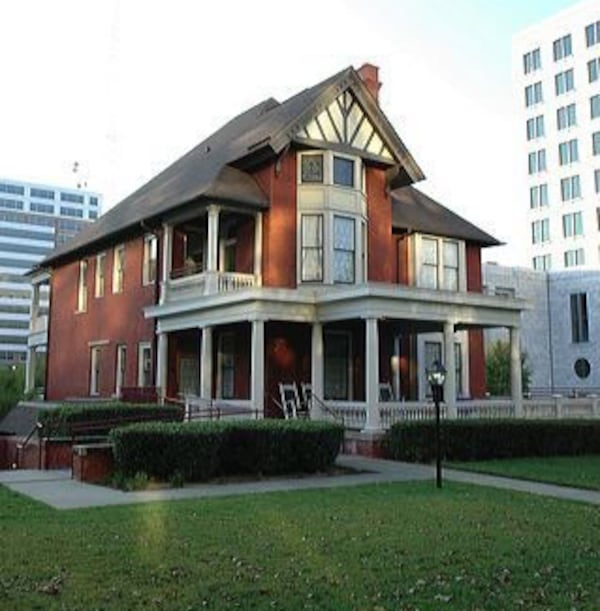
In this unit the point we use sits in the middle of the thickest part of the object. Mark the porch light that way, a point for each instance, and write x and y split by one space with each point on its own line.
436 376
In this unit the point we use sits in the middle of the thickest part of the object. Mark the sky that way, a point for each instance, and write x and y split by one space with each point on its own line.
125 87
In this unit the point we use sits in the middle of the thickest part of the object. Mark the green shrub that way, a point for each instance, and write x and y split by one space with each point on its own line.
203 450
488 439
100 418
12 383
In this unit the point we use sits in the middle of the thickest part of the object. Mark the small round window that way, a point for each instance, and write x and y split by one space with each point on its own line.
582 368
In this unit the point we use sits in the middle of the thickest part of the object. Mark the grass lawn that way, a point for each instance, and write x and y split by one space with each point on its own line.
578 471
392 546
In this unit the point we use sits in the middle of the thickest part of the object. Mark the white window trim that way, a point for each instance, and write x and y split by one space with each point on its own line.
100 285
115 275
120 368
82 288
95 355
140 368
149 238
328 156
462 262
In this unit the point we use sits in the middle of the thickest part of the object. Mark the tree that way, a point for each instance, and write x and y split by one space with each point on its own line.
497 369
12 385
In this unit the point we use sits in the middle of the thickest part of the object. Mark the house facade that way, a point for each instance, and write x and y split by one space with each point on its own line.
290 246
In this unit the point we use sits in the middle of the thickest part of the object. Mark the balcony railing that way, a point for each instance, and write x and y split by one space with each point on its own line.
206 283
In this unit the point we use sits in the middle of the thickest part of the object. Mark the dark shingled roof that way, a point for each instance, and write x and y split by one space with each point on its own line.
206 172
412 210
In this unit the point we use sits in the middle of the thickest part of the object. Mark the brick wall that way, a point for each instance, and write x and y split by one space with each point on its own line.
382 264
113 318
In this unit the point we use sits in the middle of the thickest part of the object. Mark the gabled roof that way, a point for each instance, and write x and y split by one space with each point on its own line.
412 210
206 171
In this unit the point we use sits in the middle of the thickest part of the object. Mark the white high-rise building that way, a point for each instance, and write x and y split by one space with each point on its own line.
556 68
34 219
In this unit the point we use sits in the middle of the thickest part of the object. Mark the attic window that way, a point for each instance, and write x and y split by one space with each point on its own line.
312 168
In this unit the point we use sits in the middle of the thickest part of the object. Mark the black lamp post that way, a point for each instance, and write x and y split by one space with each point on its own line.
436 377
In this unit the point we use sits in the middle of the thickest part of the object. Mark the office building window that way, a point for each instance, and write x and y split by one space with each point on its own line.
579 318
93 200
149 261
537 161
564 81
542 262
596 143
343 249
568 152
71 197
41 193
566 116
540 231
595 106
533 94
570 188
597 180
312 248
11 189
82 287
572 224
592 34
93 214
532 61
535 127
43 208
11 204
593 67
573 258
562 47
538 196
74 212
118 269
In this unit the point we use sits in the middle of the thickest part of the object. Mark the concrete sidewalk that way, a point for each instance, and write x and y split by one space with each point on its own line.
57 489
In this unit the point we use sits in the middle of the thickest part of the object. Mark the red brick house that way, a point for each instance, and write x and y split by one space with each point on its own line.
291 245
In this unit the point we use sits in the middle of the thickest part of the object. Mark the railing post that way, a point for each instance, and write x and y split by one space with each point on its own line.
257 366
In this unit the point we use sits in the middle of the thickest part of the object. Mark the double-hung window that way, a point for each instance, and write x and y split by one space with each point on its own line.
450 265
572 224
532 61
82 287
595 106
570 188
312 248
575 257
592 34
564 81
540 231
118 268
429 263
149 261
562 47
537 161
535 127
566 116
533 94
538 196
343 249
99 284
593 67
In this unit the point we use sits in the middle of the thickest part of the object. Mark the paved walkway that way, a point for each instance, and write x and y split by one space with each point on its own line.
57 489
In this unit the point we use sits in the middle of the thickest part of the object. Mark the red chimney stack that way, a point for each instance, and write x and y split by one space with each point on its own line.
370 77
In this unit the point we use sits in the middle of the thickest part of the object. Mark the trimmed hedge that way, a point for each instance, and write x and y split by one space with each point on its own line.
487 439
101 418
203 450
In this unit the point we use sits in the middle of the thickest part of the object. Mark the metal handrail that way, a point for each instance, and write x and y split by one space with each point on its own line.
38 426
324 407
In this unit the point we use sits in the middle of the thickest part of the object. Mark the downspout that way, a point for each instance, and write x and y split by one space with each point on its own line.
550 332
47 340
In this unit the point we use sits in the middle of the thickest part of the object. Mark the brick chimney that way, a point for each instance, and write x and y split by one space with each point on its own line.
370 77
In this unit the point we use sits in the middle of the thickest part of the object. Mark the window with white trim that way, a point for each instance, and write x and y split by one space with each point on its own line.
564 81
428 275
145 364
575 257
99 279
535 127
149 260
312 248
450 278
538 196
572 224
537 161
570 188
562 47
533 94
532 61
566 116
568 152
593 68
82 286
343 249
118 269
439 264
120 368
542 262
95 358
540 231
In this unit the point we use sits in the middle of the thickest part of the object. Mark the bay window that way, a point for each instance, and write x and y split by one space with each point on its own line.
429 263
312 248
343 249
439 263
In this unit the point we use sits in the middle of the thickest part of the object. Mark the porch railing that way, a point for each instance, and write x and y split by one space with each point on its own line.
205 283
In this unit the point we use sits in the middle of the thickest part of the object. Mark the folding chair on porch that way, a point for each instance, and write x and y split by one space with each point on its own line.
290 401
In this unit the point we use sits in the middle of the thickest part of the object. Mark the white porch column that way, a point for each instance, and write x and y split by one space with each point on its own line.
167 260
257 368
373 422
35 304
30 370
258 220
161 364
317 369
516 384
450 365
213 238
206 364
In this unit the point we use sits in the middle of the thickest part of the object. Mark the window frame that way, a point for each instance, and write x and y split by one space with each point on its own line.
82 286
149 264
320 248
579 318
142 370
118 275
336 250
100 275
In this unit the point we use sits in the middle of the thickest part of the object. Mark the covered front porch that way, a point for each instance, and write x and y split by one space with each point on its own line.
366 370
